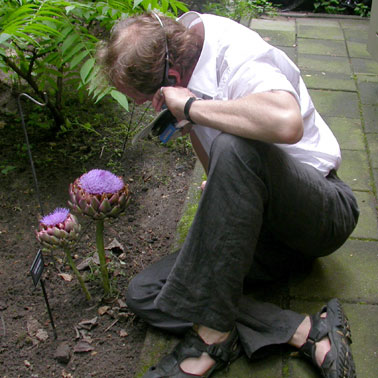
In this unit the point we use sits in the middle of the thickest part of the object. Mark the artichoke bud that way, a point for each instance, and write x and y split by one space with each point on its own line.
99 194
58 229
95 203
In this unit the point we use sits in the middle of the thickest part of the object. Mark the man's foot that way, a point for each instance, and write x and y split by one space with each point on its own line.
325 338
322 347
202 364
193 356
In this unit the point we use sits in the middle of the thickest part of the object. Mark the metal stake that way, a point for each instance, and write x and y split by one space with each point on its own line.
48 308
27 141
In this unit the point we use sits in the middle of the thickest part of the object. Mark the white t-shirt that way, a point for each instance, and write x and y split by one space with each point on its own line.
235 61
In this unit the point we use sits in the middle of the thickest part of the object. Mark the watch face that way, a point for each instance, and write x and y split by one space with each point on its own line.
157 127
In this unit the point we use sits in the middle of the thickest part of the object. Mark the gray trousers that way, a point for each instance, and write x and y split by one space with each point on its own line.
261 216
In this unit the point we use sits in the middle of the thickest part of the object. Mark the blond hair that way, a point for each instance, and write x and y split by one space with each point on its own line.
135 54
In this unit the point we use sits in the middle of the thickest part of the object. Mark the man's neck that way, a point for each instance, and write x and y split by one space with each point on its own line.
200 33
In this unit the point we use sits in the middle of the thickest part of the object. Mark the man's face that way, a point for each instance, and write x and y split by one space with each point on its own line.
138 97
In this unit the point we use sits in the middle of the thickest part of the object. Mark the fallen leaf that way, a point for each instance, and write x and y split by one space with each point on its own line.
115 246
87 339
123 333
88 324
67 277
83 347
66 375
102 310
85 264
122 304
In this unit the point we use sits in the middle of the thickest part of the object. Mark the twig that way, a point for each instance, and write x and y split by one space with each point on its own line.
111 325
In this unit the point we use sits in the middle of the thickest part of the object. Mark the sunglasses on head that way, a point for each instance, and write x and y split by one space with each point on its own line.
167 81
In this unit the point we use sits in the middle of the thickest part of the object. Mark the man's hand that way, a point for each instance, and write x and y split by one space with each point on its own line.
174 97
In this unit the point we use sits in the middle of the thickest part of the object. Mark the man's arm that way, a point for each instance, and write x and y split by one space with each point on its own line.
272 117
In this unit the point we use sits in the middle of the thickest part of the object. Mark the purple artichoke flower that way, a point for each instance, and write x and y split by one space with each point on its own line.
58 229
99 194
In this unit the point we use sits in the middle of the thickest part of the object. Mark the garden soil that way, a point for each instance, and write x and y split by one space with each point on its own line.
100 338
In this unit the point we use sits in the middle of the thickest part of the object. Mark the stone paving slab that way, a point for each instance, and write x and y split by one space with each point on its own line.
353 36
372 142
278 37
324 63
364 324
336 103
318 22
354 27
368 78
278 32
265 368
354 170
367 227
358 49
368 93
320 32
348 132
321 47
270 25
328 80
349 274
365 66
370 116
375 178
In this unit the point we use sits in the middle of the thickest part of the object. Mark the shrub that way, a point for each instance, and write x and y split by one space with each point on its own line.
50 45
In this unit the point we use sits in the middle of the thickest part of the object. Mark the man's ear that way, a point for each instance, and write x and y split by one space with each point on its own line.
171 81
174 77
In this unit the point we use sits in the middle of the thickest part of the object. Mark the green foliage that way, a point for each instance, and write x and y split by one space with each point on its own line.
5 169
50 45
338 7
329 6
239 9
362 10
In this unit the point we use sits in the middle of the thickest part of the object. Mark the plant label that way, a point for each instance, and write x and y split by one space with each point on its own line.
37 267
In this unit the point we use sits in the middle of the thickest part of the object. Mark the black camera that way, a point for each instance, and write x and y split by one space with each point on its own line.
164 126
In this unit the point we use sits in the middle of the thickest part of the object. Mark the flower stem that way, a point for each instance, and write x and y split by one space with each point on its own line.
101 255
77 273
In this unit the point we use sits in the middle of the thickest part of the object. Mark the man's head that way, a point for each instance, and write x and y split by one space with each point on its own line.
134 57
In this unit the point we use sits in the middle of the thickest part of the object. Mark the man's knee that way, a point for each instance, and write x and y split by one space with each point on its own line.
133 295
231 152
146 285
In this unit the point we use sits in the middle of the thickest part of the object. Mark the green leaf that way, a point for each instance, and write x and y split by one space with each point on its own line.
75 50
4 37
121 98
99 94
78 58
86 69
7 169
137 3
69 41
